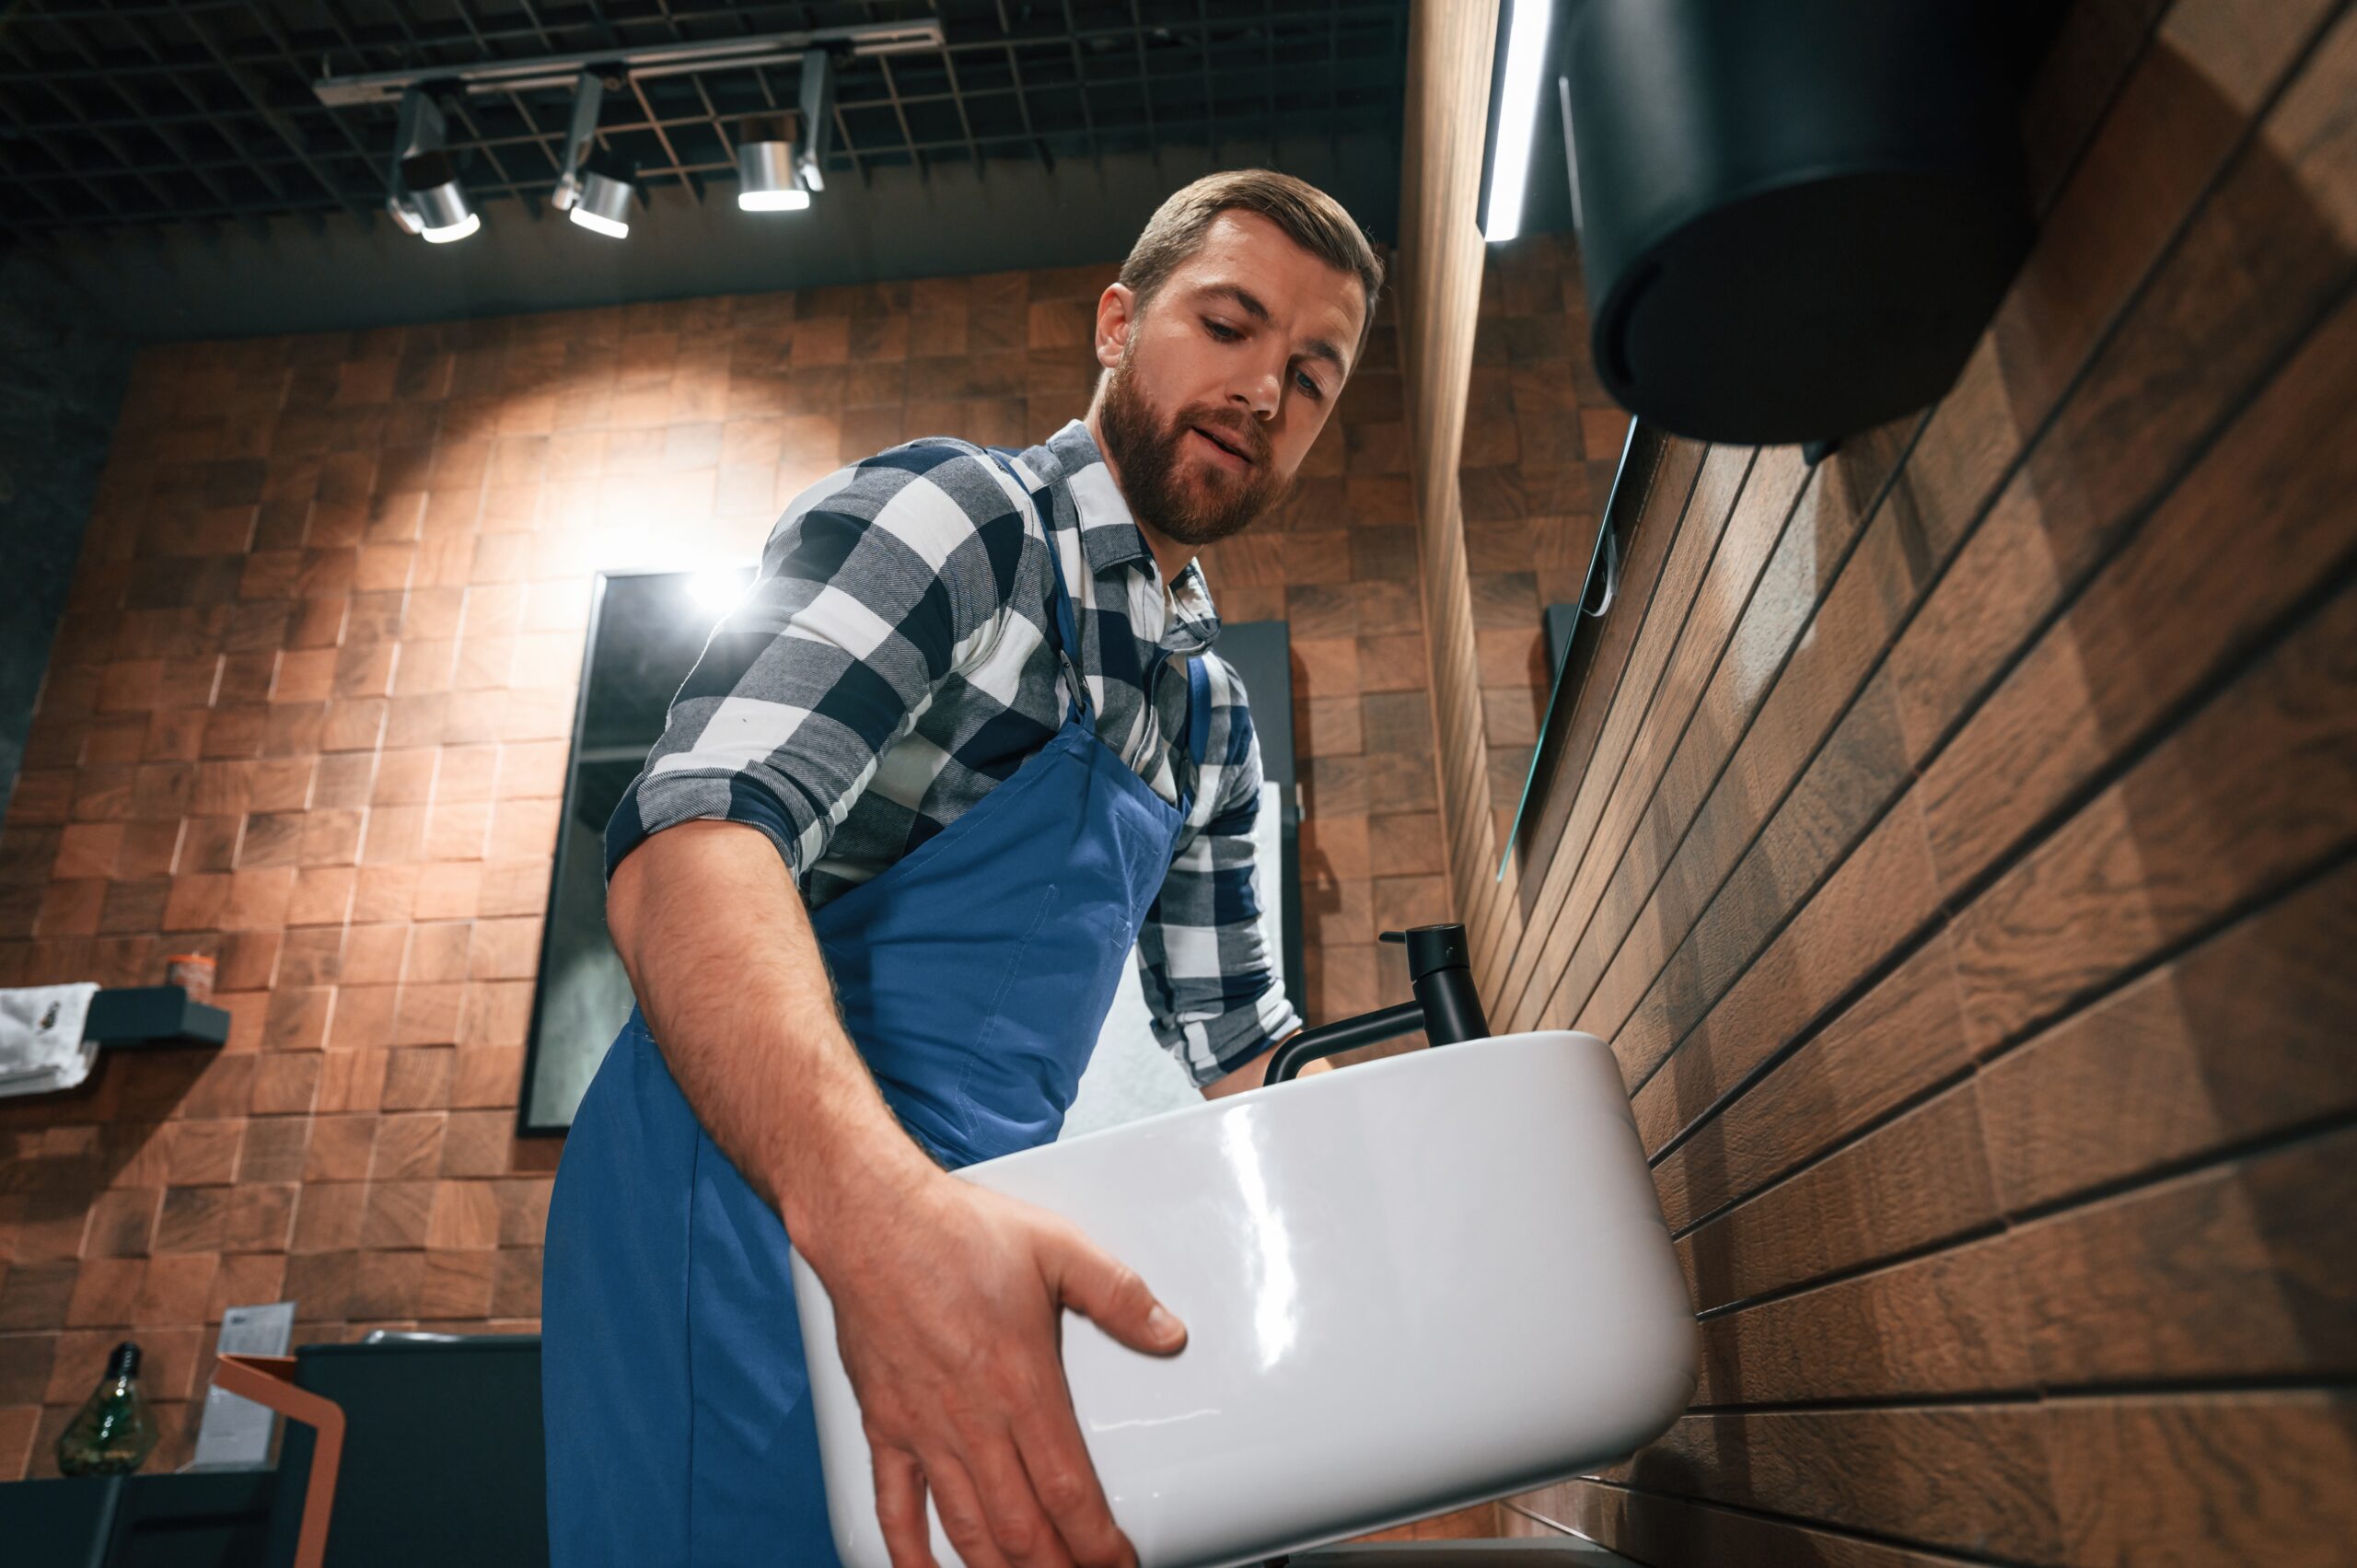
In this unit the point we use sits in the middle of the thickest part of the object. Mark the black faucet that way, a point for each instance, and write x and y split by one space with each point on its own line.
1447 1006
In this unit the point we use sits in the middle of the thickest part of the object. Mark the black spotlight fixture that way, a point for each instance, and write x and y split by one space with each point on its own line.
593 189
1795 219
438 200
777 171
424 192
765 182
602 205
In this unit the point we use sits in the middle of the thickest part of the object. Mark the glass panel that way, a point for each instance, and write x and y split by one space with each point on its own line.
645 629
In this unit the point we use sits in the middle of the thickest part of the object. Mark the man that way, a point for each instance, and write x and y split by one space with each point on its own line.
959 749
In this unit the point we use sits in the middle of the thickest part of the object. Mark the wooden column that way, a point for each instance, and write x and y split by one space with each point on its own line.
1449 52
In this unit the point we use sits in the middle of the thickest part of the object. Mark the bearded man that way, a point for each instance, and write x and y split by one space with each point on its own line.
962 749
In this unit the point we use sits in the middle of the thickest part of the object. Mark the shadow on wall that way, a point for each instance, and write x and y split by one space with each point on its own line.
62 377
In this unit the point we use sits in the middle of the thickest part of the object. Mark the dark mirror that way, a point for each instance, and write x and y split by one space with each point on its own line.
1577 634
645 629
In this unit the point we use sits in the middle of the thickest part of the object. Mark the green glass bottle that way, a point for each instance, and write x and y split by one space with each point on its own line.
114 1432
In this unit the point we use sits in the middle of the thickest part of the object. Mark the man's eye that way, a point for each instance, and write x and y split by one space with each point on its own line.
1222 330
1309 386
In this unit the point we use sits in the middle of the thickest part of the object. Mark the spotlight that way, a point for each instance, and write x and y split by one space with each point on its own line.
766 168
437 199
421 191
593 189
1513 114
603 205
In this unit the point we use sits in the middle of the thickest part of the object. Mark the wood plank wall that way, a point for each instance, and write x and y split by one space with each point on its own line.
1957 854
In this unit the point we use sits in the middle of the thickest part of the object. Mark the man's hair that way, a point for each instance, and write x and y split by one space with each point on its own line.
1308 216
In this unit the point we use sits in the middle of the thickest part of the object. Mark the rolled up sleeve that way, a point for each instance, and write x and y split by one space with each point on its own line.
1215 997
872 587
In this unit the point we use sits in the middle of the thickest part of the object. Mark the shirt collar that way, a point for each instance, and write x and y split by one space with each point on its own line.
1109 536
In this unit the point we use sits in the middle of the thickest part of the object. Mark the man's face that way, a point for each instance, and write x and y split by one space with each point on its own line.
1219 386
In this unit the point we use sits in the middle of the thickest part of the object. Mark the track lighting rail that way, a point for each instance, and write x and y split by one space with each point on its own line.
658 60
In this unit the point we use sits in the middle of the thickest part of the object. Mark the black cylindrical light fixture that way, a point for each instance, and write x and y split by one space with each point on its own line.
603 205
1796 219
436 198
766 182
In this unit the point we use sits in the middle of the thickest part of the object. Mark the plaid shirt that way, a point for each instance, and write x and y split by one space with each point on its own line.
892 665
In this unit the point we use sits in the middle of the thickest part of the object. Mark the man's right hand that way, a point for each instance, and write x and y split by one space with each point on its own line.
948 1316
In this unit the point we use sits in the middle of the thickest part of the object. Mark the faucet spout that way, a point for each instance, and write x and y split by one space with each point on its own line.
1446 1007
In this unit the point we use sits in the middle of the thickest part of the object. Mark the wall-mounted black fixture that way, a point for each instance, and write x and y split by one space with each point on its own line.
153 1014
1795 219
1447 1006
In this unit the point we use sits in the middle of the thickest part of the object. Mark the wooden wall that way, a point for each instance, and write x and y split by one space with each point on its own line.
1439 284
308 712
1958 857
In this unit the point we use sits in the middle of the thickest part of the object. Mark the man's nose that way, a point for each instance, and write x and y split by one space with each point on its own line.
1258 389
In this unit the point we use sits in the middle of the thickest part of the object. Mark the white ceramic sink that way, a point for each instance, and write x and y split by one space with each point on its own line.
1409 1286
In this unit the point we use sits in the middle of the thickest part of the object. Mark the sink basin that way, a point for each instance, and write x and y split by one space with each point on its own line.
1409 1286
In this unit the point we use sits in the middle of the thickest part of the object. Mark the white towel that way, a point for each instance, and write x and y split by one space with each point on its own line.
42 1048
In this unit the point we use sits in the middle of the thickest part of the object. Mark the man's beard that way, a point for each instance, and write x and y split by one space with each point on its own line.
1147 458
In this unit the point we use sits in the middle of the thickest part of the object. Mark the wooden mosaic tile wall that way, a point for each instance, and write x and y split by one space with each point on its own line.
308 714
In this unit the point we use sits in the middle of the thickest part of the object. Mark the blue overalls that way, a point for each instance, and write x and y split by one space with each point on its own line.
973 975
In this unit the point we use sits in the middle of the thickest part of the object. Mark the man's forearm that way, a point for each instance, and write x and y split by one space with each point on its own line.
725 968
1255 1073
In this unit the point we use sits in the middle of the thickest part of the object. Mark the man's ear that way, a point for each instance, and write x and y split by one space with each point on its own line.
1116 314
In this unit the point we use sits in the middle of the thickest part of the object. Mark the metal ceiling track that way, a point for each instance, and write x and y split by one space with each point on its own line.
660 60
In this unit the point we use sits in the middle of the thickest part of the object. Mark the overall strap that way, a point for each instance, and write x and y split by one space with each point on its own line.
1197 735
1198 710
1063 625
